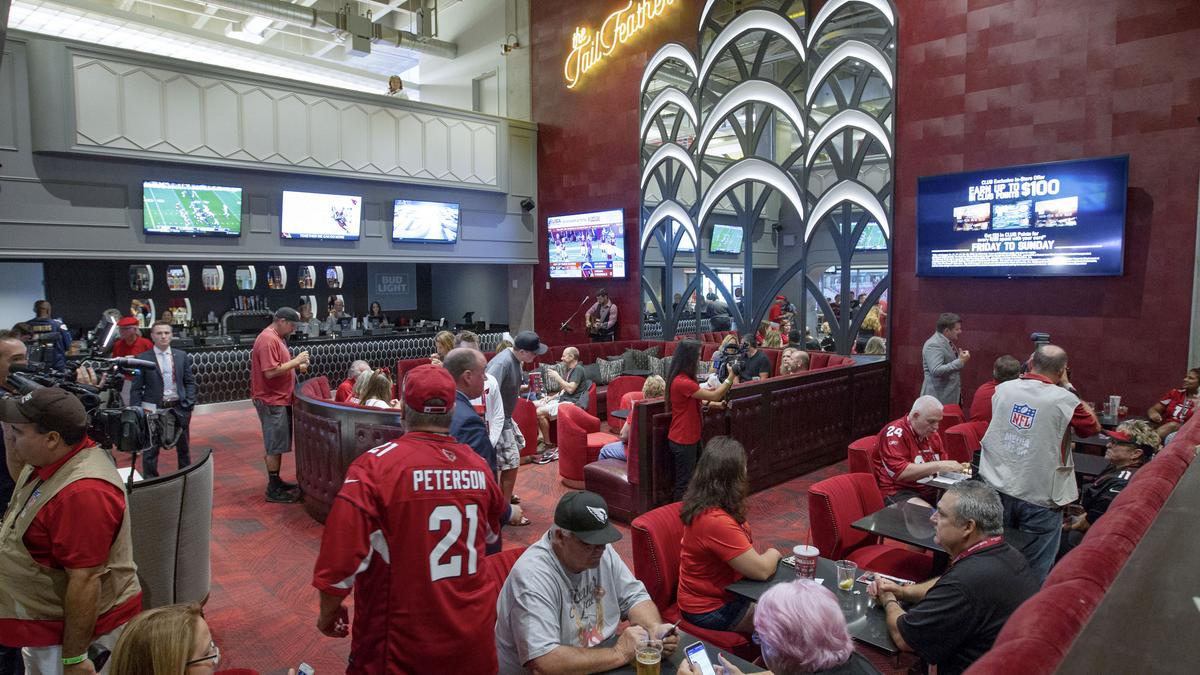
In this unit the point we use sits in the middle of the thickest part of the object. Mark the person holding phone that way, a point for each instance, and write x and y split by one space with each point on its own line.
685 399
800 628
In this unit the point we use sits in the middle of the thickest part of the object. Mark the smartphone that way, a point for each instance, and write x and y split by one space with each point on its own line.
698 657
304 669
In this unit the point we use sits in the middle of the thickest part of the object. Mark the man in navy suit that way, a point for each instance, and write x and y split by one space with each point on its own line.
468 367
172 386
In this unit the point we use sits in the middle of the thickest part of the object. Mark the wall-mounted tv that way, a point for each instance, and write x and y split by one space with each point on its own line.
586 245
197 210
311 215
431 222
726 239
1057 219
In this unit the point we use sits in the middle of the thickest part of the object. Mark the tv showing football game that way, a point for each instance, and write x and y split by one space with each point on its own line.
431 222
726 239
1058 219
312 215
587 245
196 210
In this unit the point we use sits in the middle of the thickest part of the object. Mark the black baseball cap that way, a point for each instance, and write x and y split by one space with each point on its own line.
530 342
287 313
52 408
585 514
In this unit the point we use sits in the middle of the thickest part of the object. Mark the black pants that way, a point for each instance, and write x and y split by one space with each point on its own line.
685 457
182 447
604 337
10 661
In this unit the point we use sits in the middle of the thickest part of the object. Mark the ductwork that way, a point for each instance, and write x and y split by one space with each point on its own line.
307 17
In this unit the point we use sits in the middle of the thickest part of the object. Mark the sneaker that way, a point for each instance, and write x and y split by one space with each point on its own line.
282 496
288 486
546 457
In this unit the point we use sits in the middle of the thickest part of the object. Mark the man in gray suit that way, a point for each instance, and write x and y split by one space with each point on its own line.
943 361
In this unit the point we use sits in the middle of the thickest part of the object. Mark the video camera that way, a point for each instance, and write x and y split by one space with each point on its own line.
110 425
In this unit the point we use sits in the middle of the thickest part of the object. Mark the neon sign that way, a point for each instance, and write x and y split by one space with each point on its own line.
589 48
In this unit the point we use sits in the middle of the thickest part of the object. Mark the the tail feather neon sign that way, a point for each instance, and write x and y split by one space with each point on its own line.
589 48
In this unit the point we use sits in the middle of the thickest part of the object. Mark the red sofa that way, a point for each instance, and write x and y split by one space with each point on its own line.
1040 633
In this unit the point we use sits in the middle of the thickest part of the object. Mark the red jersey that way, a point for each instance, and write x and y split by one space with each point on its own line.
981 403
899 447
269 352
345 391
685 411
407 532
774 313
122 349
1177 407
74 530
711 540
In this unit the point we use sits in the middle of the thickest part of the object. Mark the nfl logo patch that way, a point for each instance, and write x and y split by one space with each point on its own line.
1022 416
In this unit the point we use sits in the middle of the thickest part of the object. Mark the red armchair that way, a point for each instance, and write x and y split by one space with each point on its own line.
860 454
616 391
579 443
525 417
497 566
835 503
961 441
952 415
656 537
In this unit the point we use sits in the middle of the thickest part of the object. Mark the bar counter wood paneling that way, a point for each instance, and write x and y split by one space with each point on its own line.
328 437
789 426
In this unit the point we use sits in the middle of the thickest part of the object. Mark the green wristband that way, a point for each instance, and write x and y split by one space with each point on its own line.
75 659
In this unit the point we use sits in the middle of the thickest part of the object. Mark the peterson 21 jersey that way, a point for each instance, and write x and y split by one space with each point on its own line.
407 533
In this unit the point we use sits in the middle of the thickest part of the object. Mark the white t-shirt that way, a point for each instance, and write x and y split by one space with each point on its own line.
493 407
376 403
543 606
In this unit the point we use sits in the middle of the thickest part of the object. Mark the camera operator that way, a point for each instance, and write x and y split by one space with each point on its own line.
747 361
12 352
42 324
66 556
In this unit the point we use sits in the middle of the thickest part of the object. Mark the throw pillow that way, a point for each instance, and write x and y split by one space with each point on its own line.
639 359
591 373
659 366
549 385
609 370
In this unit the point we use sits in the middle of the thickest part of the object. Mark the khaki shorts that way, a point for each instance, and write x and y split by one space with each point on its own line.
508 448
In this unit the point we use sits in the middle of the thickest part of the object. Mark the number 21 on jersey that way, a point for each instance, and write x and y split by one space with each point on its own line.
452 566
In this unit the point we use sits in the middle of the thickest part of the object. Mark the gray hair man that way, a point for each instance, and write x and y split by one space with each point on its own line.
953 619
911 449
345 390
1027 457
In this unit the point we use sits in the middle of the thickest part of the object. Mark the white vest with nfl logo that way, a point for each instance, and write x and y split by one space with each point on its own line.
1026 450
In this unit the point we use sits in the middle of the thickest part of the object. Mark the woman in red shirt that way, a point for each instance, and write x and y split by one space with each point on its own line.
717 546
684 401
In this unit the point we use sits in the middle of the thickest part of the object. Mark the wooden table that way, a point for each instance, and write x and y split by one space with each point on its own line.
1148 619
866 622
670 664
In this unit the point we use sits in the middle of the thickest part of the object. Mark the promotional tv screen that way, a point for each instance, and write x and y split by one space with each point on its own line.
1057 219
198 210
310 215
587 245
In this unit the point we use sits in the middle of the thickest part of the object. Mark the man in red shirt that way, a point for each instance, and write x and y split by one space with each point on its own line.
345 390
1176 406
131 343
1004 369
66 554
407 532
272 387
911 449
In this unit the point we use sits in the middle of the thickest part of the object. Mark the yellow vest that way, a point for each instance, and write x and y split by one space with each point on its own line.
33 592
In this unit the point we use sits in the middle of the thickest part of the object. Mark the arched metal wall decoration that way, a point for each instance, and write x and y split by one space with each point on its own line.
784 121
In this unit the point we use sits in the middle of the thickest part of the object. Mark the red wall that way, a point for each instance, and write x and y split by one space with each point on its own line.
1035 81
588 147
982 83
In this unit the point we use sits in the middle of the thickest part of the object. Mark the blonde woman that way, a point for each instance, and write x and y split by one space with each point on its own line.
654 387
377 391
443 342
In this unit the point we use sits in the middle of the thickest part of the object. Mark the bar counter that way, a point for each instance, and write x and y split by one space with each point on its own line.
223 372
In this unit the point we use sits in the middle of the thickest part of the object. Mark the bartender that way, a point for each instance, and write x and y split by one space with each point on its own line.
338 320
309 325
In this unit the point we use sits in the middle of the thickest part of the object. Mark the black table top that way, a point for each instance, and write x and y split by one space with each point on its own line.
1089 465
620 414
670 664
866 622
904 522
1145 617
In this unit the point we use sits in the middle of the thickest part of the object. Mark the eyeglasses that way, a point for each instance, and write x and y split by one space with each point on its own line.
215 657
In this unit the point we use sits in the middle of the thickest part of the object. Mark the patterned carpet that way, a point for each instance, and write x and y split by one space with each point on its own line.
262 608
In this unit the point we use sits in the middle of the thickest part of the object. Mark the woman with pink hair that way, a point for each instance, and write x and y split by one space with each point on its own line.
801 630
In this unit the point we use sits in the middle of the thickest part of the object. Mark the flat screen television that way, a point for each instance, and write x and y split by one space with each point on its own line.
725 239
312 215
586 245
1057 219
196 210
431 222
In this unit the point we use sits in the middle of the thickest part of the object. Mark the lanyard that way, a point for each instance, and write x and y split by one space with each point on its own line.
990 541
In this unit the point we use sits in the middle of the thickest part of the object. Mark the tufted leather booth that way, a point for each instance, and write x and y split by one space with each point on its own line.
656 537
317 387
835 503
614 479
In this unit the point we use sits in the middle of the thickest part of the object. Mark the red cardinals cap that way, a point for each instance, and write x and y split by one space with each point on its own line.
127 321
429 389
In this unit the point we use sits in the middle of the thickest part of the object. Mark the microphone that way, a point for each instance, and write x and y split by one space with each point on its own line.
134 363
